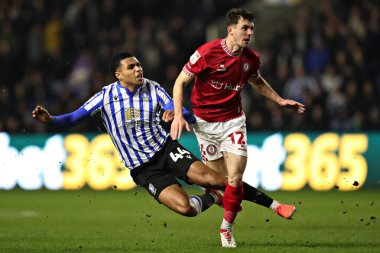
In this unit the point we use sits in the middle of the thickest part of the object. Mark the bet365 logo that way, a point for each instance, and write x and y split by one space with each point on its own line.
291 162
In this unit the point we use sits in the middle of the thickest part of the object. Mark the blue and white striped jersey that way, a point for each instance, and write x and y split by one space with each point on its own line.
132 119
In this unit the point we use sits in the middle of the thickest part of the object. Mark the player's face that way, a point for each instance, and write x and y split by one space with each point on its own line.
130 71
242 32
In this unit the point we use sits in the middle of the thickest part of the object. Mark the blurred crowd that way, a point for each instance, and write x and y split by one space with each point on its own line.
328 59
55 53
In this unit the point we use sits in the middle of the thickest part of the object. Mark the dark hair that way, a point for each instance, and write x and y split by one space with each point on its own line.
115 60
235 14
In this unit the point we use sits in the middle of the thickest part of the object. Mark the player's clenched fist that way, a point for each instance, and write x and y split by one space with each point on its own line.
41 114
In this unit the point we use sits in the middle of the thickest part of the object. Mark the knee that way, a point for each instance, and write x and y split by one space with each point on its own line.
236 179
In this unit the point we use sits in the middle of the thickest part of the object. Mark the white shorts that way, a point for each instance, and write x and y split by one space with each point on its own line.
216 137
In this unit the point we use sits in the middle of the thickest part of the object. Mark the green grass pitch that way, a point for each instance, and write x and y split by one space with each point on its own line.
132 221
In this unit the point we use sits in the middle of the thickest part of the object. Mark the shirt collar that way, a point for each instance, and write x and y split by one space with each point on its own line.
228 51
131 93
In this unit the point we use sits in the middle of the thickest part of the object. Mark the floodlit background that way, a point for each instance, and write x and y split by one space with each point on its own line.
323 53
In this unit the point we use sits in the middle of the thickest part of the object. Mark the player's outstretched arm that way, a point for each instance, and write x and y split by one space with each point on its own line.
66 120
266 90
42 115
287 103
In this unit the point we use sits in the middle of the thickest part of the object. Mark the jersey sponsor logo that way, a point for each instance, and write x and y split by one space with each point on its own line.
246 67
211 149
195 57
132 118
221 68
130 114
226 86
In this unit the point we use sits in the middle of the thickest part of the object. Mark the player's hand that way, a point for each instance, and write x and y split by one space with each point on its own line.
168 116
41 114
177 126
287 103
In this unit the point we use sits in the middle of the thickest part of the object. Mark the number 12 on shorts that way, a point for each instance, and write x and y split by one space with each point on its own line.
180 154
237 136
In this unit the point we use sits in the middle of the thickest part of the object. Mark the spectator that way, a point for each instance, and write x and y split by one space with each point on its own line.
336 45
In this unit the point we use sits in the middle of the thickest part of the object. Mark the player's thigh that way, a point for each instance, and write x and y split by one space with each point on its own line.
235 164
208 136
202 175
154 175
234 139
175 198
234 146
218 165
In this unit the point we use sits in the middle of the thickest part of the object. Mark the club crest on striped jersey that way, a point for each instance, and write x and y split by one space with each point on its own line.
246 66
144 94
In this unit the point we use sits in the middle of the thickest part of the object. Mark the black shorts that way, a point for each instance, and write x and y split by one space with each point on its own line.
171 162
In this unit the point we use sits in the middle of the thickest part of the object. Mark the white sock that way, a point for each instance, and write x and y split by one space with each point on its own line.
274 205
196 203
226 225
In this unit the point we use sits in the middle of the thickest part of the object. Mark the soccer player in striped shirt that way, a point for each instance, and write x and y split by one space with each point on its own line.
130 109
220 69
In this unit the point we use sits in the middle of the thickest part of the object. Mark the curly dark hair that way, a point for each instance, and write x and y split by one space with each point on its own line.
235 14
115 60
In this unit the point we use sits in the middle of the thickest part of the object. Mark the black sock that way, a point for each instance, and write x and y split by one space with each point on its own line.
207 200
254 195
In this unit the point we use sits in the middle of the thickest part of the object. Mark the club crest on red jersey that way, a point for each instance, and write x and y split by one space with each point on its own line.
246 67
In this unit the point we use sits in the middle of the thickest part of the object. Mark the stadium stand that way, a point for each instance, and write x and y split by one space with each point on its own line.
56 53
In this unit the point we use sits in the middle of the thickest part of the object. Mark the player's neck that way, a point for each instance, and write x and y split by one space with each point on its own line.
234 48
130 86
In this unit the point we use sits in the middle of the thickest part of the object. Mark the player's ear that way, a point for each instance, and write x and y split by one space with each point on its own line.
117 75
230 29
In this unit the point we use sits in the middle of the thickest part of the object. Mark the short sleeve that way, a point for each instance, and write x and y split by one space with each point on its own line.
195 64
163 96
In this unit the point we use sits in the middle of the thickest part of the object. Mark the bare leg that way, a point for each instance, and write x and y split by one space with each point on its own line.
200 174
218 165
176 199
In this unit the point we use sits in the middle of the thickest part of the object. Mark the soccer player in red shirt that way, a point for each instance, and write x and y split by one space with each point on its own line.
220 69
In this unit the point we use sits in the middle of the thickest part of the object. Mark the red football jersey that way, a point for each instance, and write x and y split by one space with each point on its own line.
219 77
